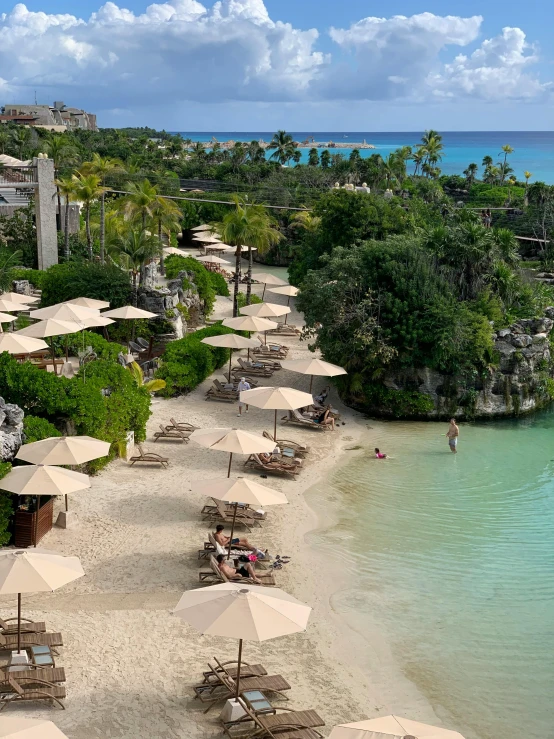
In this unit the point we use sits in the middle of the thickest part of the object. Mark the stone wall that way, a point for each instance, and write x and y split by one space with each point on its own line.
164 300
518 384
11 430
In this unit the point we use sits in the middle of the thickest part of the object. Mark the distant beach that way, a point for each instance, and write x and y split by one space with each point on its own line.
534 150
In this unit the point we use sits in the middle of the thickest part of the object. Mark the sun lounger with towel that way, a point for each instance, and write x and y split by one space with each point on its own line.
172 433
275 468
297 418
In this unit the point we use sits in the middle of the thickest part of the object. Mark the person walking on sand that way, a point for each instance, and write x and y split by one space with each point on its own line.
243 385
452 434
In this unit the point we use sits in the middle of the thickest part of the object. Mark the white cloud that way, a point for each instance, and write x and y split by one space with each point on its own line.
497 70
181 52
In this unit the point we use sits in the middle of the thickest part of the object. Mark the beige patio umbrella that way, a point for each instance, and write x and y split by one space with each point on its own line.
313 367
6 318
129 313
65 312
29 728
250 323
234 441
288 290
277 399
265 310
91 303
268 279
174 250
34 571
9 305
202 227
230 341
243 612
15 343
391 727
19 298
207 239
239 490
212 260
71 450
40 480
51 327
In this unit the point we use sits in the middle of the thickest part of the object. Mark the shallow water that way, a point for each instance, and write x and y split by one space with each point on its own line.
453 557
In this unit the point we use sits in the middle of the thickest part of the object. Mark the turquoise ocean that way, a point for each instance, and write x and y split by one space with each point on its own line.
451 558
534 150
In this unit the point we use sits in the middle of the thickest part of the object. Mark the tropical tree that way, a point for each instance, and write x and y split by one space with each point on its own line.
325 159
21 139
471 173
313 157
66 188
527 176
138 204
306 220
7 262
284 147
418 158
506 149
247 224
88 190
256 153
4 141
135 248
151 386
168 217
102 166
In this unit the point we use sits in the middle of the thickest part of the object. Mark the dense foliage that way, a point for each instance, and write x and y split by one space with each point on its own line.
175 264
37 429
187 362
73 280
6 507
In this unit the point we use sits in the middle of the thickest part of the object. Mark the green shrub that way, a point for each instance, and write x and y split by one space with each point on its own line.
36 429
6 507
219 284
75 279
241 300
398 403
103 349
187 362
202 278
35 276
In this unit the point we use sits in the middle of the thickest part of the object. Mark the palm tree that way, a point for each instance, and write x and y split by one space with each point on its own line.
313 157
325 159
306 220
297 156
6 265
168 218
284 147
507 149
247 224
88 189
256 153
21 139
66 187
471 173
102 166
4 140
138 205
135 248
418 158
62 152
527 176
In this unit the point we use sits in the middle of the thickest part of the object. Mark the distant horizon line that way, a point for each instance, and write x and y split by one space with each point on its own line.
441 131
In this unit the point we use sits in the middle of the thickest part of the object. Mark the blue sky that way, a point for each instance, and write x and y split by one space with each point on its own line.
250 65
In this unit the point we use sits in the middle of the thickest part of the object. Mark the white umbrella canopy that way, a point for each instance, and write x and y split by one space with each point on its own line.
212 260
207 239
129 312
202 227
268 279
174 250
391 727
250 323
287 290
19 298
6 318
15 343
250 613
265 310
91 303
234 441
65 312
50 327
313 367
27 479
29 728
96 321
276 398
71 450
230 341
9 305
34 571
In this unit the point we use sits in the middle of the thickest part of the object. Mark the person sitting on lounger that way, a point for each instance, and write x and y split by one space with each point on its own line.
224 540
268 460
232 573
325 418
322 397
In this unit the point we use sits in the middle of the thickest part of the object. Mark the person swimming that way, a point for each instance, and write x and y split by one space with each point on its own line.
379 455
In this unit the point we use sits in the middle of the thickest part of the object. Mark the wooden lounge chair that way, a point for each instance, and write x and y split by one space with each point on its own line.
289 724
145 456
244 368
181 426
300 450
9 641
30 672
275 468
297 418
284 329
223 514
215 574
27 626
172 433
246 670
14 689
211 547
271 348
223 686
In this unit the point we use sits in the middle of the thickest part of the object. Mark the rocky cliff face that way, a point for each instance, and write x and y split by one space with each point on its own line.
520 383
164 301
11 430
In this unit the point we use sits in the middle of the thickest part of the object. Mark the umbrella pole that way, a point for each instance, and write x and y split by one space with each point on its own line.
66 348
275 427
19 623
288 306
232 529
36 520
229 468
263 294
311 382
230 360
66 504
238 671
52 352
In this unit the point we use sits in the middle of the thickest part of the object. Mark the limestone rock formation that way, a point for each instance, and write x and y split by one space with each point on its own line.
11 430
164 301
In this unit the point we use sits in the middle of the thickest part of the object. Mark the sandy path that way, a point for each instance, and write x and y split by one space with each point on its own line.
130 664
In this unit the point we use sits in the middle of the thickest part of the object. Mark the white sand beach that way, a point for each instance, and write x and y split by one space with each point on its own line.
130 663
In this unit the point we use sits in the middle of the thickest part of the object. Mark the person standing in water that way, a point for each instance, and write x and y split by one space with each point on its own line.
452 434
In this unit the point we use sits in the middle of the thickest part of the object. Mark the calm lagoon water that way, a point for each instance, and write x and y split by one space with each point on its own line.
534 150
452 556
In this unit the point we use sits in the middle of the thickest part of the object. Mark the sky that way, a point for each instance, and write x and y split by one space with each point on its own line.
302 65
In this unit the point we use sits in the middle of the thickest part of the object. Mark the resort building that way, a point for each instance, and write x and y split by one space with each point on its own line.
58 117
